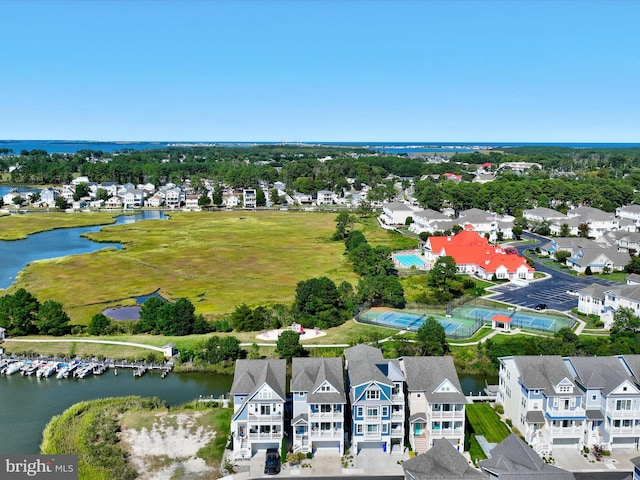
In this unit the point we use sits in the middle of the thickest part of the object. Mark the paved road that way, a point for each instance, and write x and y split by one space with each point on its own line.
552 291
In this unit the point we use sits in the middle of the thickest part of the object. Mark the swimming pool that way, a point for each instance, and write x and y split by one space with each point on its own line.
408 261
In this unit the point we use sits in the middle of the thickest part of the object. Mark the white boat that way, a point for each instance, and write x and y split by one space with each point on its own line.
63 372
47 370
13 368
29 369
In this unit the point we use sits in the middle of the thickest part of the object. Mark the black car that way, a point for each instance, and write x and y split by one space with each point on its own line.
541 306
272 463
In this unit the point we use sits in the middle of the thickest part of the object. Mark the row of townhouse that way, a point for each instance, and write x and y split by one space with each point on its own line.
598 256
604 300
598 221
383 404
475 256
573 401
430 221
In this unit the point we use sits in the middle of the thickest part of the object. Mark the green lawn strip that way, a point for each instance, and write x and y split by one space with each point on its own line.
484 331
475 450
485 421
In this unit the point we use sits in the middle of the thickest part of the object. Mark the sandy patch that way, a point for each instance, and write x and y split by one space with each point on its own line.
305 334
168 450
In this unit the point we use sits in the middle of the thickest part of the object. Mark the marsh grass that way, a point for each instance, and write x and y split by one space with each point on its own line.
16 227
217 260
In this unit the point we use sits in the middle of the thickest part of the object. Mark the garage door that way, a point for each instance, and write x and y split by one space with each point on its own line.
371 446
566 441
326 445
262 447
624 441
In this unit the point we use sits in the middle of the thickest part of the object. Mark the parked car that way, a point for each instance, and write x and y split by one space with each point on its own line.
272 463
541 306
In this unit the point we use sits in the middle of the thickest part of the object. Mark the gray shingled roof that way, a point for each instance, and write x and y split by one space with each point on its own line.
589 255
535 416
309 373
429 214
542 372
603 373
398 207
441 462
633 362
513 459
545 213
426 374
363 365
250 375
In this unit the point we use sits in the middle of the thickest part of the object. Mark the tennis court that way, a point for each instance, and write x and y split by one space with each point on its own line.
404 320
518 319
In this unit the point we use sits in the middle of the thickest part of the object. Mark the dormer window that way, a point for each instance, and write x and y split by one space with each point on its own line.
325 388
565 389
373 394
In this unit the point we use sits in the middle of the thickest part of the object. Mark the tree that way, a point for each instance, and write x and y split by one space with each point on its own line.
344 224
18 312
625 323
634 265
274 198
431 339
244 320
102 194
204 200
81 190
562 256
587 271
98 325
19 200
178 319
288 345
318 302
261 199
583 230
149 315
217 195
61 203
443 271
517 231
52 319
565 231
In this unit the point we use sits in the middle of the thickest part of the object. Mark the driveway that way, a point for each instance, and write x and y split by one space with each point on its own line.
552 290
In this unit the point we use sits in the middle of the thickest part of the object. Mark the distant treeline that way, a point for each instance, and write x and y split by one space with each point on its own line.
602 178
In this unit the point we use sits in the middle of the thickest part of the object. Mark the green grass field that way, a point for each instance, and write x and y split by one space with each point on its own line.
485 421
215 259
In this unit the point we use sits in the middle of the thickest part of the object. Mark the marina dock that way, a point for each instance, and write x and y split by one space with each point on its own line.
45 367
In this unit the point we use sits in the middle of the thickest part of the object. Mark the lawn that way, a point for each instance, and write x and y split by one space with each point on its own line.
215 259
485 421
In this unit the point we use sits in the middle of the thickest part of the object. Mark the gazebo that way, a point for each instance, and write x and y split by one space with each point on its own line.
501 321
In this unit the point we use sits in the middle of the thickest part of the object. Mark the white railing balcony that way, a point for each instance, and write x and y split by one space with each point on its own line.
635 430
566 412
265 418
327 433
624 414
448 414
372 435
446 431
265 436
376 418
399 414
397 398
397 431
323 415
566 431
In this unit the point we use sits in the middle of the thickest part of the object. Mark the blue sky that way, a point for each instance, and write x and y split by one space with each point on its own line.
332 70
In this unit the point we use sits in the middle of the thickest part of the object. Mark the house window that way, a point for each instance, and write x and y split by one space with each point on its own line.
385 428
265 409
359 428
372 428
325 388
359 412
372 412
373 394
623 404
385 411
593 397
324 408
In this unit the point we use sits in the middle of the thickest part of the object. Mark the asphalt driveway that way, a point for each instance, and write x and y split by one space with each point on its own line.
551 291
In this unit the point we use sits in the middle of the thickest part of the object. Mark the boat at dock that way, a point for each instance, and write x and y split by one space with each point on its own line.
13 368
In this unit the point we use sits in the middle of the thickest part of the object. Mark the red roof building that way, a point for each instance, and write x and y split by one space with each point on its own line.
473 255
